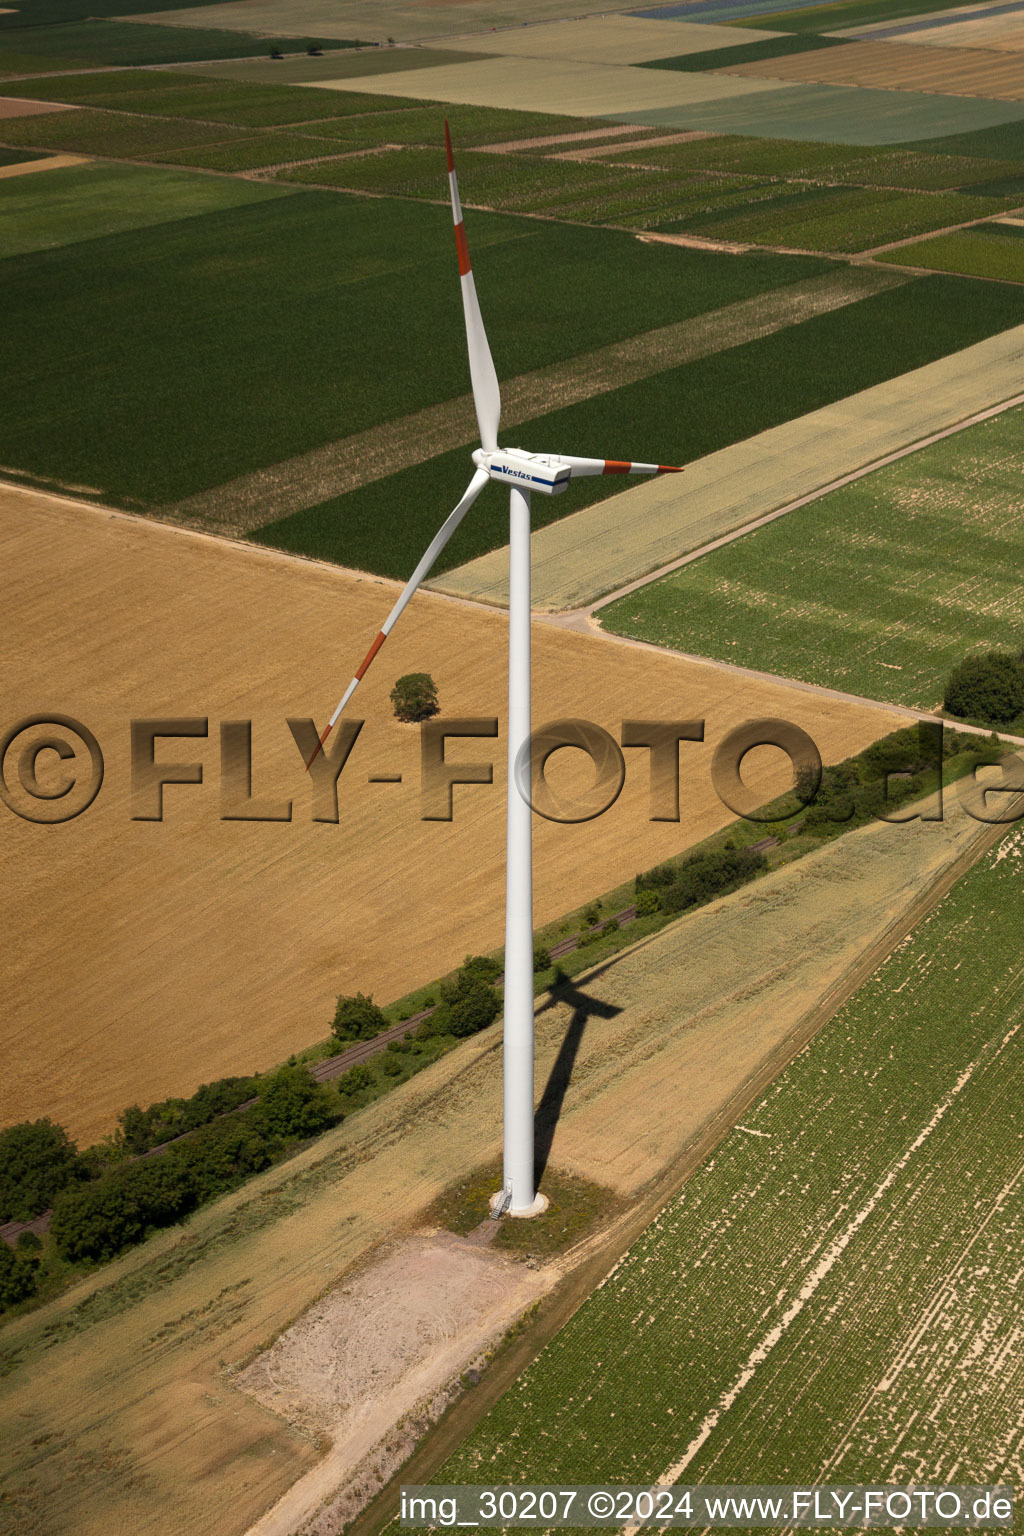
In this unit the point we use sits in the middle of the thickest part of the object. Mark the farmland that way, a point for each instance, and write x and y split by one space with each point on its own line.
899 577
341 263
266 937
833 1295
234 332
722 398
133 1361
90 201
75 45
977 252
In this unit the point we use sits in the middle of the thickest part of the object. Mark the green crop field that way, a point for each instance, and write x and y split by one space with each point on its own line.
253 154
837 219
86 202
833 1295
675 416
878 589
118 134
978 252
48 13
420 124
28 49
511 182
905 167
244 334
169 94
18 156
743 53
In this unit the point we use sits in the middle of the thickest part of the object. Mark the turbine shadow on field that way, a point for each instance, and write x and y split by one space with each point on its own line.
546 1116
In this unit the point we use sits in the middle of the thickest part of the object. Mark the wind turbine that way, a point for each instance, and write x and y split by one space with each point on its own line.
524 473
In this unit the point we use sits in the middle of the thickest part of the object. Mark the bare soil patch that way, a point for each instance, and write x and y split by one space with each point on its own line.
391 1343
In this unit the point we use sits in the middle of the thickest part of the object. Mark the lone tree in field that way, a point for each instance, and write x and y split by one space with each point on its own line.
415 697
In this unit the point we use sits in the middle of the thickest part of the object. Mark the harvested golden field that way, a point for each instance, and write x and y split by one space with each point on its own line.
118 1407
896 66
580 89
146 957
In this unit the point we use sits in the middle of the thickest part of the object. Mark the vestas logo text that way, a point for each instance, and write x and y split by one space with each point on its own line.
517 474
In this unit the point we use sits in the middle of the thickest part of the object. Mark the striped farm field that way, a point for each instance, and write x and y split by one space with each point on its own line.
899 66
117 134
265 149
835 219
914 167
878 589
676 414
835 1295
312 273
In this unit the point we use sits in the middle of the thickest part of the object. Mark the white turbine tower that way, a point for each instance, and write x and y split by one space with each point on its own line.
523 473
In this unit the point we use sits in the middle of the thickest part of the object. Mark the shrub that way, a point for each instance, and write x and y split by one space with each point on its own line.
29 1242
392 1065
356 1080
585 937
38 1160
592 914
18 1276
469 1002
223 1155
611 926
988 688
292 1105
647 902
357 1018
477 1006
415 697
481 967
541 958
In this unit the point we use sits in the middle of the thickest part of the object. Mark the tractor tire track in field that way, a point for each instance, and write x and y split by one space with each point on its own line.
594 1259
253 500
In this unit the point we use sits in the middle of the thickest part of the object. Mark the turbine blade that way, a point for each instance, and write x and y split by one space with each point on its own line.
486 395
434 548
616 467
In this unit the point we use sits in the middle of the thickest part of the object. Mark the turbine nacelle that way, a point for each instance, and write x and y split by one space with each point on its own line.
532 471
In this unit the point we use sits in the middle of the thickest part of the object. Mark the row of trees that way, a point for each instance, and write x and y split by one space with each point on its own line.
108 1198
698 879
